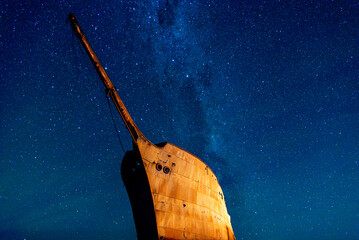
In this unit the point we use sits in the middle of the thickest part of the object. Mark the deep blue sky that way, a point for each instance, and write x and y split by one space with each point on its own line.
265 92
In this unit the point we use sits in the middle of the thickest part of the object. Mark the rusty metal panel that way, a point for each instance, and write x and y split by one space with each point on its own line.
188 200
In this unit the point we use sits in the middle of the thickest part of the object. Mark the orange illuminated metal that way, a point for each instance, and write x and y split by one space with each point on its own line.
173 194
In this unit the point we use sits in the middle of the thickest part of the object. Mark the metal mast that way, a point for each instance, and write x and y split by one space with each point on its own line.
110 89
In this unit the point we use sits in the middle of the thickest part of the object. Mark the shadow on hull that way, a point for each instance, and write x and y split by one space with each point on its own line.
138 189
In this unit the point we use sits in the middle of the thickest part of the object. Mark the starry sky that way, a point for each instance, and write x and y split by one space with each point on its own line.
265 92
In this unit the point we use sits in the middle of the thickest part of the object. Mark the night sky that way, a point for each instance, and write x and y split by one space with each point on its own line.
265 92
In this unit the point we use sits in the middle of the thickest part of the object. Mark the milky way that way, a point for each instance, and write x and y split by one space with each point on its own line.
265 93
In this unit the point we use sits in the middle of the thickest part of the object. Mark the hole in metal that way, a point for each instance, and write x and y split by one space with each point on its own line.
166 170
158 167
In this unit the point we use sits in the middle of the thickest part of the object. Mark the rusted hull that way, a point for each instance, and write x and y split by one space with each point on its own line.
173 194
182 192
